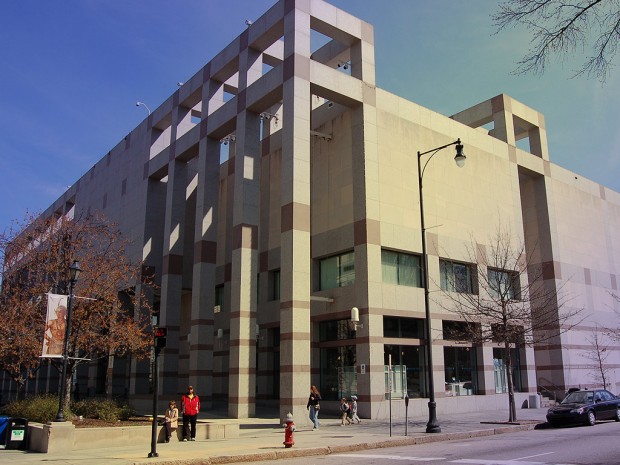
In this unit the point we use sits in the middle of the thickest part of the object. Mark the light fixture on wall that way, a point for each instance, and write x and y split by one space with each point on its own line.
322 135
344 64
355 319
265 115
229 138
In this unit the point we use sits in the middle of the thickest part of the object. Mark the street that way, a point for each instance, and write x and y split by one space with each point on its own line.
597 445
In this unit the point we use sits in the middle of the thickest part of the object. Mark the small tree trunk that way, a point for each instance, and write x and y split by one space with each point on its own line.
109 377
512 410
68 382
20 394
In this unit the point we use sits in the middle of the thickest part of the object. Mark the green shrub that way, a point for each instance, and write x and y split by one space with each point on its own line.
40 409
100 409
44 408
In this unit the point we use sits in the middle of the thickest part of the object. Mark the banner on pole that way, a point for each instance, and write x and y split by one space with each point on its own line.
55 326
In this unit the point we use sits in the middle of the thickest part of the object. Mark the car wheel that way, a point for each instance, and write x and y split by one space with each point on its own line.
617 417
554 424
591 418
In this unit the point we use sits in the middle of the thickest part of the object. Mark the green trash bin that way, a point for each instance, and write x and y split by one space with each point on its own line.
17 434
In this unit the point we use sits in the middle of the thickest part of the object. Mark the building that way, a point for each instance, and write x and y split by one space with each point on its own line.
277 189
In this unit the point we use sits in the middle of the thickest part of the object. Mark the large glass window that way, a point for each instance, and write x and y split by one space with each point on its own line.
460 371
456 277
402 269
504 285
412 328
408 370
460 330
219 298
338 376
501 370
274 285
335 330
337 271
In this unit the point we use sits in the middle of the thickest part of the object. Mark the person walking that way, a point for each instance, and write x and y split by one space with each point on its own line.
171 419
314 406
190 407
344 411
354 416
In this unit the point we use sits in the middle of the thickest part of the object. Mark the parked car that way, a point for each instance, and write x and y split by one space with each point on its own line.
586 407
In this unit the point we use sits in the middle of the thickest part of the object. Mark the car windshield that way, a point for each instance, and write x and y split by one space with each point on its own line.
580 397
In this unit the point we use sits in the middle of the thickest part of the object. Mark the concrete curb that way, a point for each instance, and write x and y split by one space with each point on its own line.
314 451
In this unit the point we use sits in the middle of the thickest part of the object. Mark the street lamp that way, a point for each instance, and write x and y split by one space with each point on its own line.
144 105
74 273
433 425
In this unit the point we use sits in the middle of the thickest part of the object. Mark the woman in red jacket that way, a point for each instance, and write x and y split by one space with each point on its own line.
190 406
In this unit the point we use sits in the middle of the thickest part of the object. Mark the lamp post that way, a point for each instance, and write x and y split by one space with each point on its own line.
144 105
433 425
74 273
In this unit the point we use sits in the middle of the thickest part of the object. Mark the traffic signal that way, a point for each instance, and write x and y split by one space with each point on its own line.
160 338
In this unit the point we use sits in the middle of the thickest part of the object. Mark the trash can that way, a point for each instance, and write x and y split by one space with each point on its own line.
4 423
534 401
17 434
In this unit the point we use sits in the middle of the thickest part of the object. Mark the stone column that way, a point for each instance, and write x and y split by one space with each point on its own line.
172 266
244 269
367 239
295 219
203 279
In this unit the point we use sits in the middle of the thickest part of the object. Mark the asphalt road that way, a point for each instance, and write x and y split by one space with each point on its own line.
597 445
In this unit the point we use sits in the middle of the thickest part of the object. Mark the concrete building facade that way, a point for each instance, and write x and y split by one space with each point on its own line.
277 188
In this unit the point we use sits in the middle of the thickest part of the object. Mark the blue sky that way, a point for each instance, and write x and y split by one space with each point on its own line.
72 71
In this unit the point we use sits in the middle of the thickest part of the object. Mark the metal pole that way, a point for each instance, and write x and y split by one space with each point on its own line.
60 416
390 389
153 452
406 413
433 425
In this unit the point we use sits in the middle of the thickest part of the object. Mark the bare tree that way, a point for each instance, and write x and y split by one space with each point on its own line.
598 354
560 27
511 304
113 319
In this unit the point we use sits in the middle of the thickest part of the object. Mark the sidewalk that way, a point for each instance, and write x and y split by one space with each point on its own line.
261 439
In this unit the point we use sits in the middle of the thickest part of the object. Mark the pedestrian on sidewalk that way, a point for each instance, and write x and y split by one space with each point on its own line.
344 410
354 416
314 406
171 419
190 407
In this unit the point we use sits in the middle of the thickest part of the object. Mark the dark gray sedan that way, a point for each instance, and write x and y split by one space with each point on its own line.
585 407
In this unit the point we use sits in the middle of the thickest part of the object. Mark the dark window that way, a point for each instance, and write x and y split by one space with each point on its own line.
219 298
412 328
337 271
504 285
460 330
460 371
408 370
338 376
335 330
274 285
456 277
402 269
500 370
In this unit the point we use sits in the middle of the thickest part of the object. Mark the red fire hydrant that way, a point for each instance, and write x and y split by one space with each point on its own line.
289 429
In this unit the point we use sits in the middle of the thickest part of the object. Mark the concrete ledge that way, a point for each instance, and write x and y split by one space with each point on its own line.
57 437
